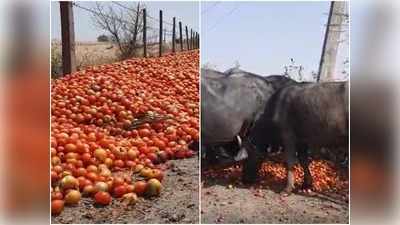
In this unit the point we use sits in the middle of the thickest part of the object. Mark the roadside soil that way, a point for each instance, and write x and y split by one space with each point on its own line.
225 199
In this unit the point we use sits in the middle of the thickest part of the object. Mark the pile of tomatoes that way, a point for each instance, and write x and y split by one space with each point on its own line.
326 176
91 111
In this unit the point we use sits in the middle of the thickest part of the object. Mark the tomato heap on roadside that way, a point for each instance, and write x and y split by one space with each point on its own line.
91 112
326 176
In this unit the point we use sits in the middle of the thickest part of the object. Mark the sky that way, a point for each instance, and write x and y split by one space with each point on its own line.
262 36
85 30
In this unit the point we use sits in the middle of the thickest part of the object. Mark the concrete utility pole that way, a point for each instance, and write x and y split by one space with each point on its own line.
330 47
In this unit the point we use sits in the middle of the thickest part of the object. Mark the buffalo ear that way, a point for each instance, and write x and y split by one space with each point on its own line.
241 155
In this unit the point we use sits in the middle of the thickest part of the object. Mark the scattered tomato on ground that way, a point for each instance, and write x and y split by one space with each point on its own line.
225 197
326 176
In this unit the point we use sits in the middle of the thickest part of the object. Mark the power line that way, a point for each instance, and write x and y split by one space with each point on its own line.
224 16
118 19
135 11
147 16
210 7
125 7
100 14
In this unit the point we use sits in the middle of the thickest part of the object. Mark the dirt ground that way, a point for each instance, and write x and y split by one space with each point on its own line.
178 202
226 200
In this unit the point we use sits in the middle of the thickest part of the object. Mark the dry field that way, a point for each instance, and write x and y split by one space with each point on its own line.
87 53
96 53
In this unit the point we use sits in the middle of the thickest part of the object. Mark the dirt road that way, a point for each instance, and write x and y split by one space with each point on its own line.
226 200
178 202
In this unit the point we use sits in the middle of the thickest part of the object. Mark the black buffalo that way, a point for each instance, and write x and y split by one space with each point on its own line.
299 117
230 103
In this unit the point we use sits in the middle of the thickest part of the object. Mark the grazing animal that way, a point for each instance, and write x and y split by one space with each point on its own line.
230 103
299 117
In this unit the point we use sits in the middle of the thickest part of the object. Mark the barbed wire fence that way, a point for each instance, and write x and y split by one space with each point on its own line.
155 37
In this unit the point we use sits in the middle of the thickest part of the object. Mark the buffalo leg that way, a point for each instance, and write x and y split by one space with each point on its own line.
290 178
252 164
290 155
242 153
305 162
211 156
208 156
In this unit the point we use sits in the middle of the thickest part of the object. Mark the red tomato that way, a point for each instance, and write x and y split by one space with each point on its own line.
118 181
189 153
163 156
144 132
120 190
57 195
103 198
130 188
119 163
180 154
140 187
153 157
81 172
57 206
86 157
158 174
130 163
54 176
70 147
92 176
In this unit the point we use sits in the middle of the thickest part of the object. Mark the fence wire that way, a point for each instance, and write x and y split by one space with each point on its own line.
149 25
152 30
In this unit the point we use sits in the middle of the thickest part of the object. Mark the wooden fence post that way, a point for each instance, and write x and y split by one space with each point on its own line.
187 38
194 40
144 34
180 33
191 39
161 34
67 38
173 35
197 40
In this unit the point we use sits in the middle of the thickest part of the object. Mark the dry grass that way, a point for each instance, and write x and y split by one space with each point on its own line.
87 54
97 53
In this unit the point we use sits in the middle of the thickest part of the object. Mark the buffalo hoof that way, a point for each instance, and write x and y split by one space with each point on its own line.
249 179
306 191
288 190
285 192
306 186
249 173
